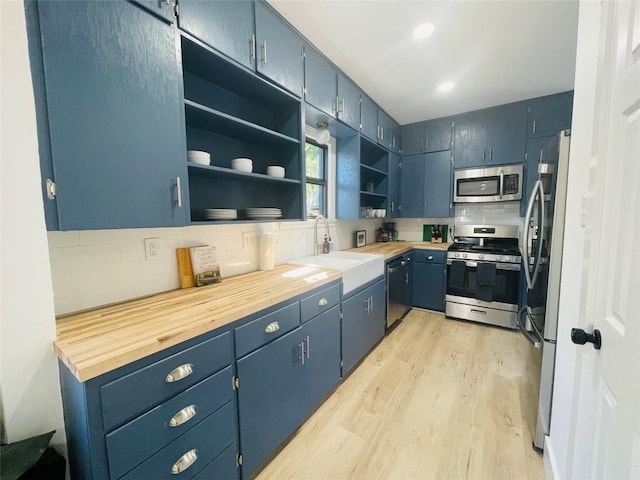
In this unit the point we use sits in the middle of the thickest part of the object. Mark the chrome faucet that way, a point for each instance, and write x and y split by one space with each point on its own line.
318 246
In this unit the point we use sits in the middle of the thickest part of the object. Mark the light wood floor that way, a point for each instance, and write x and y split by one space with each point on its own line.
437 399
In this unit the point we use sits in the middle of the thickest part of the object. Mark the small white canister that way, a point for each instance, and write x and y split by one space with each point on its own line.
267 252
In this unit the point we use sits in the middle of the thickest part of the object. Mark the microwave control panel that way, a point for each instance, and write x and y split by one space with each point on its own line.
510 186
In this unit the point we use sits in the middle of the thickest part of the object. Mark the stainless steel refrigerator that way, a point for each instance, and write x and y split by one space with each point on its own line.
541 240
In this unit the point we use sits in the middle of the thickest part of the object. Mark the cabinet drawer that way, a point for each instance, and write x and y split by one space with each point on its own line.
192 451
137 440
319 302
266 328
429 256
223 467
127 396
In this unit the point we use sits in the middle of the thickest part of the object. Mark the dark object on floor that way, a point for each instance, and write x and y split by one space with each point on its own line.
31 459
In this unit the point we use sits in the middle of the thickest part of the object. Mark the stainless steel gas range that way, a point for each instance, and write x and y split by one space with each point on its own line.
483 274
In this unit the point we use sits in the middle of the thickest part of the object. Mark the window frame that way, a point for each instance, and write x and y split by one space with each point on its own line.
323 182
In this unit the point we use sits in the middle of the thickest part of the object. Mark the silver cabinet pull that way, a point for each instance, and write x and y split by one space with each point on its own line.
184 415
533 127
430 257
323 302
179 373
540 156
367 305
371 303
491 154
422 144
427 147
178 192
483 155
272 327
264 52
184 462
392 206
308 342
253 47
301 357
341 106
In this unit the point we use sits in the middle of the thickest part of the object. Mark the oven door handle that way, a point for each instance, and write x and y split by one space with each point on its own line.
512 267
534 340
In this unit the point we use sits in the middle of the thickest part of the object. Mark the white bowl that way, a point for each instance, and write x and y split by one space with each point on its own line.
275 171
242 164
199 157
382 212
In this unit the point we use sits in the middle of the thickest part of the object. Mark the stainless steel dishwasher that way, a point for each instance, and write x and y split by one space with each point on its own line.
398 301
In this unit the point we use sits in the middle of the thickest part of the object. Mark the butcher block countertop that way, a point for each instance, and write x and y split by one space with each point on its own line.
391 249
97 341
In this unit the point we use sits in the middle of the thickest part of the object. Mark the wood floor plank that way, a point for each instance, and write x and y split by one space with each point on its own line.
437 399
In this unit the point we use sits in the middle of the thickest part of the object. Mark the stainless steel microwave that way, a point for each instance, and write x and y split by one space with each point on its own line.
495 184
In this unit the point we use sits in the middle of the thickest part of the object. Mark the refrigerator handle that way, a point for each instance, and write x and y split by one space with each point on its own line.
540 235
536 342
525 236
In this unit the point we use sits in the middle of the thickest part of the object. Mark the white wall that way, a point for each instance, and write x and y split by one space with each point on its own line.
559 446
96 267
31 402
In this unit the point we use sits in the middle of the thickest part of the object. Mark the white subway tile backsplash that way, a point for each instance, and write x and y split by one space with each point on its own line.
63 239
67 302
66 279
102 294
91 237
102 274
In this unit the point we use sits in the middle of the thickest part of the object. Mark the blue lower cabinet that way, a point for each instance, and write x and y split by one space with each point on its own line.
223 467
270 400
322 356
363 324
428 286
191 452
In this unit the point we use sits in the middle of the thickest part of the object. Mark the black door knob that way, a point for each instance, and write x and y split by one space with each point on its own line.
580 337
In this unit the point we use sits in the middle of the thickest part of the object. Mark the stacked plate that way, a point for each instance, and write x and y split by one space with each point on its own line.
267 213
220 213
199 156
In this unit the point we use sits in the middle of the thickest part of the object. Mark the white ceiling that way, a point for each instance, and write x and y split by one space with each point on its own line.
495 51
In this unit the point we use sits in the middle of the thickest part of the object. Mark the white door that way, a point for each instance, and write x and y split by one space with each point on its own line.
607 437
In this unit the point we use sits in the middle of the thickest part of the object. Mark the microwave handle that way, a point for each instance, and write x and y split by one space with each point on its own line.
501 182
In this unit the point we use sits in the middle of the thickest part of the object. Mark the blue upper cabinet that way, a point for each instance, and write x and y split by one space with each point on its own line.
412 193
430 136
348 102
369 118
115 116
388 131
494 136
548 115
225 26
437 184
393 180
507 130
280 50
163 8
320 81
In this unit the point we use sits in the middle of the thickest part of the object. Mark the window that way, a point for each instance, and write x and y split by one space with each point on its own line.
316 179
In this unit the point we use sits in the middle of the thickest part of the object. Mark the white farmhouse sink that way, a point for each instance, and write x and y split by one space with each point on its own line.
357 268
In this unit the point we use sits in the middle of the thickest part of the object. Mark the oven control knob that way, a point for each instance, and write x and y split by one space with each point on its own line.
457 255
500 258
481 257
464 255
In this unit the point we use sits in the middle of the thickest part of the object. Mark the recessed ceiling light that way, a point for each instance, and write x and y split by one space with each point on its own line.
444 86
423 31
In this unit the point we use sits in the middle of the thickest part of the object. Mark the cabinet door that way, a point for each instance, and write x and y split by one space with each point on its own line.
437 184
362 324
437 135
280 50
548 115
321 370
470 139
393 179
270 401
508 136
320 81
369 118
428 286
225 26
395 140
162 8
413 138
114 104
349 99
412 192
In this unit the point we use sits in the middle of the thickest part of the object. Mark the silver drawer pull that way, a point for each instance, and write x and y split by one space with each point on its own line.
430 257
323 302
179 373
184 415
184 462
272 327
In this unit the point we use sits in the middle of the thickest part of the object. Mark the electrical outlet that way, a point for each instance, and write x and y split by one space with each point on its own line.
151 248
248 239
